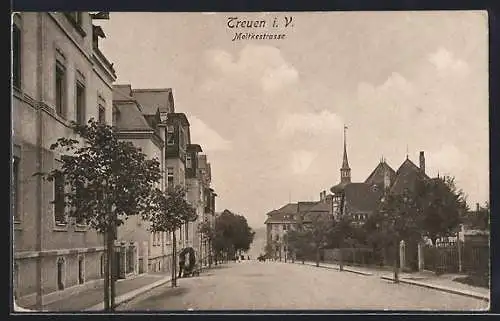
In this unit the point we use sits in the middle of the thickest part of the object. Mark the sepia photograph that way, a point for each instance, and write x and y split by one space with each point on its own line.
250 161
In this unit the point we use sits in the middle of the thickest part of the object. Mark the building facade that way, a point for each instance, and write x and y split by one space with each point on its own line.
59 75
139 122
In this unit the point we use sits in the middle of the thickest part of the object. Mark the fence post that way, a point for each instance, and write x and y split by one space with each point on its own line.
459 248
420 249
402 250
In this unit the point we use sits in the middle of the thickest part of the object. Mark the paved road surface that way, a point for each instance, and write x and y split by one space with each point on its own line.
271 285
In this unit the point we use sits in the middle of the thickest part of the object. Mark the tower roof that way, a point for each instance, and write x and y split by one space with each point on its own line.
345 162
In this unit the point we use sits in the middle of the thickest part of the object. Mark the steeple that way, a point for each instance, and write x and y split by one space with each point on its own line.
345 171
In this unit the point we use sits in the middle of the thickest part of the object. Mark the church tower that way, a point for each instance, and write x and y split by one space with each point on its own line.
345 171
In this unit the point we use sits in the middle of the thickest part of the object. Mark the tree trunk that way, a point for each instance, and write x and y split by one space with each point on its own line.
174 260
106 272
108 294
209 253
113 275
341 261
317 257
396 268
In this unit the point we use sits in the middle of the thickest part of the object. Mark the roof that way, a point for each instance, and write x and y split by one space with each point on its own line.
377 176
285 213
180 116
155 99
406 176
320 208
131 117
304 207
194 148
339 187
122 92
362 197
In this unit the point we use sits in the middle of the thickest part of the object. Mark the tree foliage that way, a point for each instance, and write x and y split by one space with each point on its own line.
171 210
106 179
441 205
231 233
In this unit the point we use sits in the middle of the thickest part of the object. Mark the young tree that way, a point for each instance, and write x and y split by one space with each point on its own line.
400 218
232 234
171 211
298 242
208 232
341 234
441 205
106 181
319 229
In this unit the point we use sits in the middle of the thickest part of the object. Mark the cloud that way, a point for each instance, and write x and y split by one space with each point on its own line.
445 62
448 159
259 64
324 122
301 161
208 138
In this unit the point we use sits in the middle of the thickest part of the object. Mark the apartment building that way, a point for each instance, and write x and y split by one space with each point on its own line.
59 75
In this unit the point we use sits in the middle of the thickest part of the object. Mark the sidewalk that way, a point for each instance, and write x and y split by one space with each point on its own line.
427 279
92 298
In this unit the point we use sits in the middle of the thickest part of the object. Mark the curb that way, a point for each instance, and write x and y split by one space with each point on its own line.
471 294
344 269
130 295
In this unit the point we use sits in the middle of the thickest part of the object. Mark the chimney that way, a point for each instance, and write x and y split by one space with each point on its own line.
422 162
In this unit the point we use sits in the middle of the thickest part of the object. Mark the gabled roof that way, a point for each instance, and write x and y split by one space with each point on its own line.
406 176
377 176
130 117
122 93
155 99
362 197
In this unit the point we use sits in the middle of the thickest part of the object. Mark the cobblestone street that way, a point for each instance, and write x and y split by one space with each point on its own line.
271 285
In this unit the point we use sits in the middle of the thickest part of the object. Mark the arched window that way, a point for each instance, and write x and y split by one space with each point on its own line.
60 273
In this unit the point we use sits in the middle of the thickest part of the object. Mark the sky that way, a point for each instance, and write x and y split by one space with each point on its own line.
269 114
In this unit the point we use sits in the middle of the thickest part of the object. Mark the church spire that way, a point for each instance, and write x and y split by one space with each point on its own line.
345 171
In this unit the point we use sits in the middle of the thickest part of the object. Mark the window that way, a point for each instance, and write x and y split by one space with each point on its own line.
181 138
60 89
154 238
102 114
15 188
80 220
170 135
170 177
80 103
188 161
59 205
16 56
284 227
